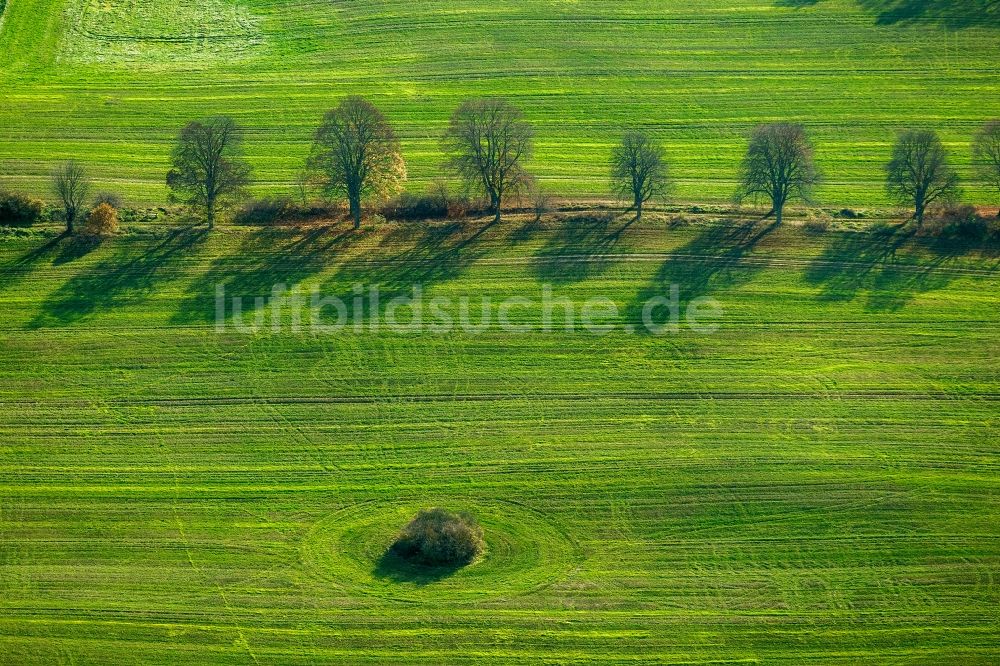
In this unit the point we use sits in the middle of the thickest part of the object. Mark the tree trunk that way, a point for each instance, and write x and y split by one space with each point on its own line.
918 214
356 212
638 210
778 210
210 214
495 203
69 224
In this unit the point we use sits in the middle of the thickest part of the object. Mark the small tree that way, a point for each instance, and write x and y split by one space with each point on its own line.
638 170
209 171
541 201
778 166
102 221
487 142
71 185
986 154
356 154
918 172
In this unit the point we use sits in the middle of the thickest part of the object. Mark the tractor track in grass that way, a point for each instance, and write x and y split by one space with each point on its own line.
649 396
946 325
571 258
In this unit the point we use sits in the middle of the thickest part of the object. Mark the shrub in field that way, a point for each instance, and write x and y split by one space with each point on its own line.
962 223
267 211
19 210
541 201
816 226
102 221
438 537
409 206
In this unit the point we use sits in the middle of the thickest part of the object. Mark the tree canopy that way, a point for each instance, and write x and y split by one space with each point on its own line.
209 171
356 155
778 166
488 142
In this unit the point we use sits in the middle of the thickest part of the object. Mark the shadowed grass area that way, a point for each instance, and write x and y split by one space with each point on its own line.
952 14
397 568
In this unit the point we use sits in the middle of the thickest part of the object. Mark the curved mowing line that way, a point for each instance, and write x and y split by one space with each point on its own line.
661 396
82 30
526 551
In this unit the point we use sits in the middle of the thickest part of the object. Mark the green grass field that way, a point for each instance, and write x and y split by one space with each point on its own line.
817 480
111 81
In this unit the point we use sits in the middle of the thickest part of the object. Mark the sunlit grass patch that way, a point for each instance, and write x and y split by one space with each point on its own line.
159 32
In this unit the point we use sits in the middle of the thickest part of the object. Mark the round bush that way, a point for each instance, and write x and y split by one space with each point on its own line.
102 221
438 537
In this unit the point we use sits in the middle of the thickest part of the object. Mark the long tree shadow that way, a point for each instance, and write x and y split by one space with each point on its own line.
951 14
17 269
59 250
713 259
889 265
580 249
265 259
429 255
130 274
899 282
847 264
76 247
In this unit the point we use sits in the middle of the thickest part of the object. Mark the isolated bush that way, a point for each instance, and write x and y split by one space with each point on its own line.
19 210
267 211
439 537
849 214
102 221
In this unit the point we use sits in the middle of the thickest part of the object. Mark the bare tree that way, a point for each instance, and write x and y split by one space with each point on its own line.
918 172
778 166
541 201
356 154
986 154
488 141
209 171
71 185
302 183
638 170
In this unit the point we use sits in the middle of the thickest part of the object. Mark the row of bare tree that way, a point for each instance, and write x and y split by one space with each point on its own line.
356 156
779 166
